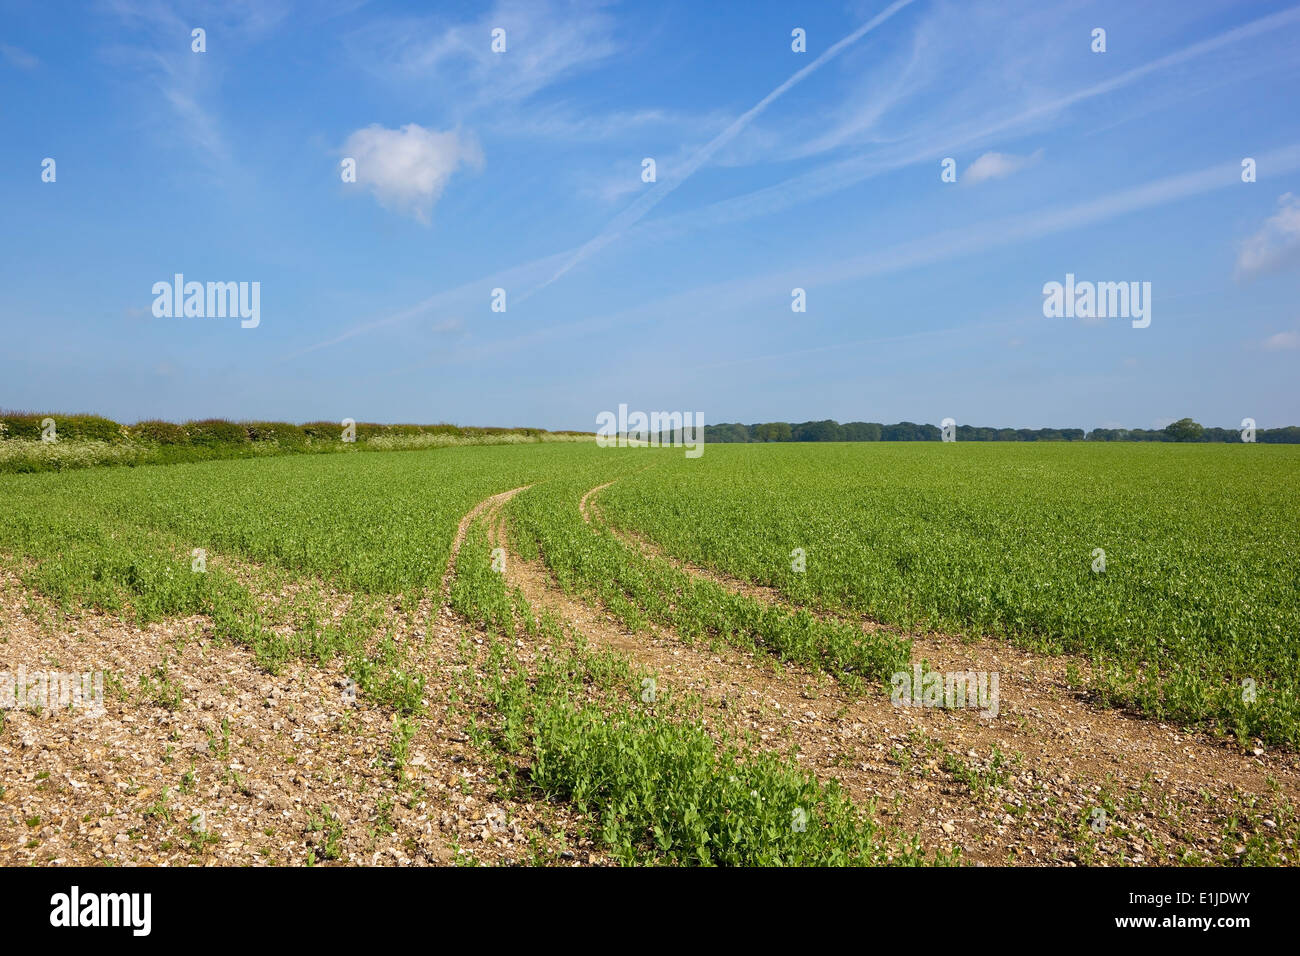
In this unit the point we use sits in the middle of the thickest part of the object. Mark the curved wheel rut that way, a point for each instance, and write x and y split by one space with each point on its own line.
1026 784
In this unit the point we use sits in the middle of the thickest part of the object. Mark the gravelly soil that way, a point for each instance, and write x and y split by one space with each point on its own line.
218 762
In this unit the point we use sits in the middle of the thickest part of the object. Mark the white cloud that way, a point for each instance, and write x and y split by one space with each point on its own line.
1277 244
1283 340
407 169
997 165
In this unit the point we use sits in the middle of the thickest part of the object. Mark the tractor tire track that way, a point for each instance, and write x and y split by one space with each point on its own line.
491 505
1073 756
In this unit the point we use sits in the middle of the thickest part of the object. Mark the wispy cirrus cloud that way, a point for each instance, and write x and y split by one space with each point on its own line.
1276 246
407 169
640 207
460 300
452 326
937 135
1282 341
160 58
572 124
546 41
923 144
17 57
744 291
882 84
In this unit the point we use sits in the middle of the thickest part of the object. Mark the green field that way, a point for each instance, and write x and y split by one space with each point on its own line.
1199 590
1198 594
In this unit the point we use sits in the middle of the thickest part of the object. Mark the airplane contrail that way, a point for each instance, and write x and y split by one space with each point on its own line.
810 185
629 216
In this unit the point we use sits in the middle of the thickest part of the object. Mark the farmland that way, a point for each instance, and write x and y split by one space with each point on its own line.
680 661
1199 587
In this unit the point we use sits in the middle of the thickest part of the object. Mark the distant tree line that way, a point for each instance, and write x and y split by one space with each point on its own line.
1184 430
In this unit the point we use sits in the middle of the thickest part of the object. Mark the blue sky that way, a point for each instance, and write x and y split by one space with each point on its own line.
776 169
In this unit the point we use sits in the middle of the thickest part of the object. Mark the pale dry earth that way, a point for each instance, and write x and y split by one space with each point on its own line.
217 762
